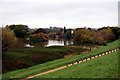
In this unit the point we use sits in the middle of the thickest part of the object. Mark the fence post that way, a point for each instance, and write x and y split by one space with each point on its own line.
106 53
112 50
102 54
80 61
117 48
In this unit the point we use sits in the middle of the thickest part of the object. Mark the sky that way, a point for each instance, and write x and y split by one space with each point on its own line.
60 13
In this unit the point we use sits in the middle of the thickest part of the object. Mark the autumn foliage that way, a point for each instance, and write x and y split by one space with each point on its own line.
8 38
40 37
83 36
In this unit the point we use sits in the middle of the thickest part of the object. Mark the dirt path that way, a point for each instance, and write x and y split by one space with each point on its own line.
84 60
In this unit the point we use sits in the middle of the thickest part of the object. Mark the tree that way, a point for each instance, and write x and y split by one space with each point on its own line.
65 29
68 34
21 31
98 38
116 32
8 38
89 36
107 34
40 37
52 35
82 36
40 30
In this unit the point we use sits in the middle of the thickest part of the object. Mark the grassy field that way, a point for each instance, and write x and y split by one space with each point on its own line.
103 67
56 63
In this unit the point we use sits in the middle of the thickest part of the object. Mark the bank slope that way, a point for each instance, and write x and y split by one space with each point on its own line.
103 67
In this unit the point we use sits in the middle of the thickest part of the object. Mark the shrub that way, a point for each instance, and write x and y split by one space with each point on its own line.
8 38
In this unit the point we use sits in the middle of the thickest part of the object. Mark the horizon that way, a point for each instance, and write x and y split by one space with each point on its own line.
60 13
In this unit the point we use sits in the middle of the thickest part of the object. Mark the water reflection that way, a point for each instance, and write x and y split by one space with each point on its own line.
56 42
59 42
42 44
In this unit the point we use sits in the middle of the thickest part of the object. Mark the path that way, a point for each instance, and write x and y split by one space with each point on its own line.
77 62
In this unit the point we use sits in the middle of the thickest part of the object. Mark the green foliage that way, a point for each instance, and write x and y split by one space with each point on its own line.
21 31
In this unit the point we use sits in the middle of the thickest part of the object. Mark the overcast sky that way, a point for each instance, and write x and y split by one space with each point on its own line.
60 13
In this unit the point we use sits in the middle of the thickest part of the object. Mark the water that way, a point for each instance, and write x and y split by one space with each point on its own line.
59 43
52 43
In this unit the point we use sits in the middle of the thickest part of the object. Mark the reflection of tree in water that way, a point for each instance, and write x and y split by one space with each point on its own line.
53 43
40 44
68 42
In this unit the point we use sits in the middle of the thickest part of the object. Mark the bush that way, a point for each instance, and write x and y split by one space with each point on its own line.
8 38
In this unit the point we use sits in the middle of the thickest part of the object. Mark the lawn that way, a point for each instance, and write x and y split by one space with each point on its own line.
22 73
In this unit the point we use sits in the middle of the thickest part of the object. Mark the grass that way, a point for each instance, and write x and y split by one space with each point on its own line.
22 73
103 67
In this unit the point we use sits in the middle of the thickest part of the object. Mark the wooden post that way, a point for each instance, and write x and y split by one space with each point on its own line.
99 55
75 62
84 60
102 54
117 48
80 61
106 52
66 65
109 51
92 57
72 63
112 50
96 56
88 58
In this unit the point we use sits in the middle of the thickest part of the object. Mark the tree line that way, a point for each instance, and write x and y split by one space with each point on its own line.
12 33
100 36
